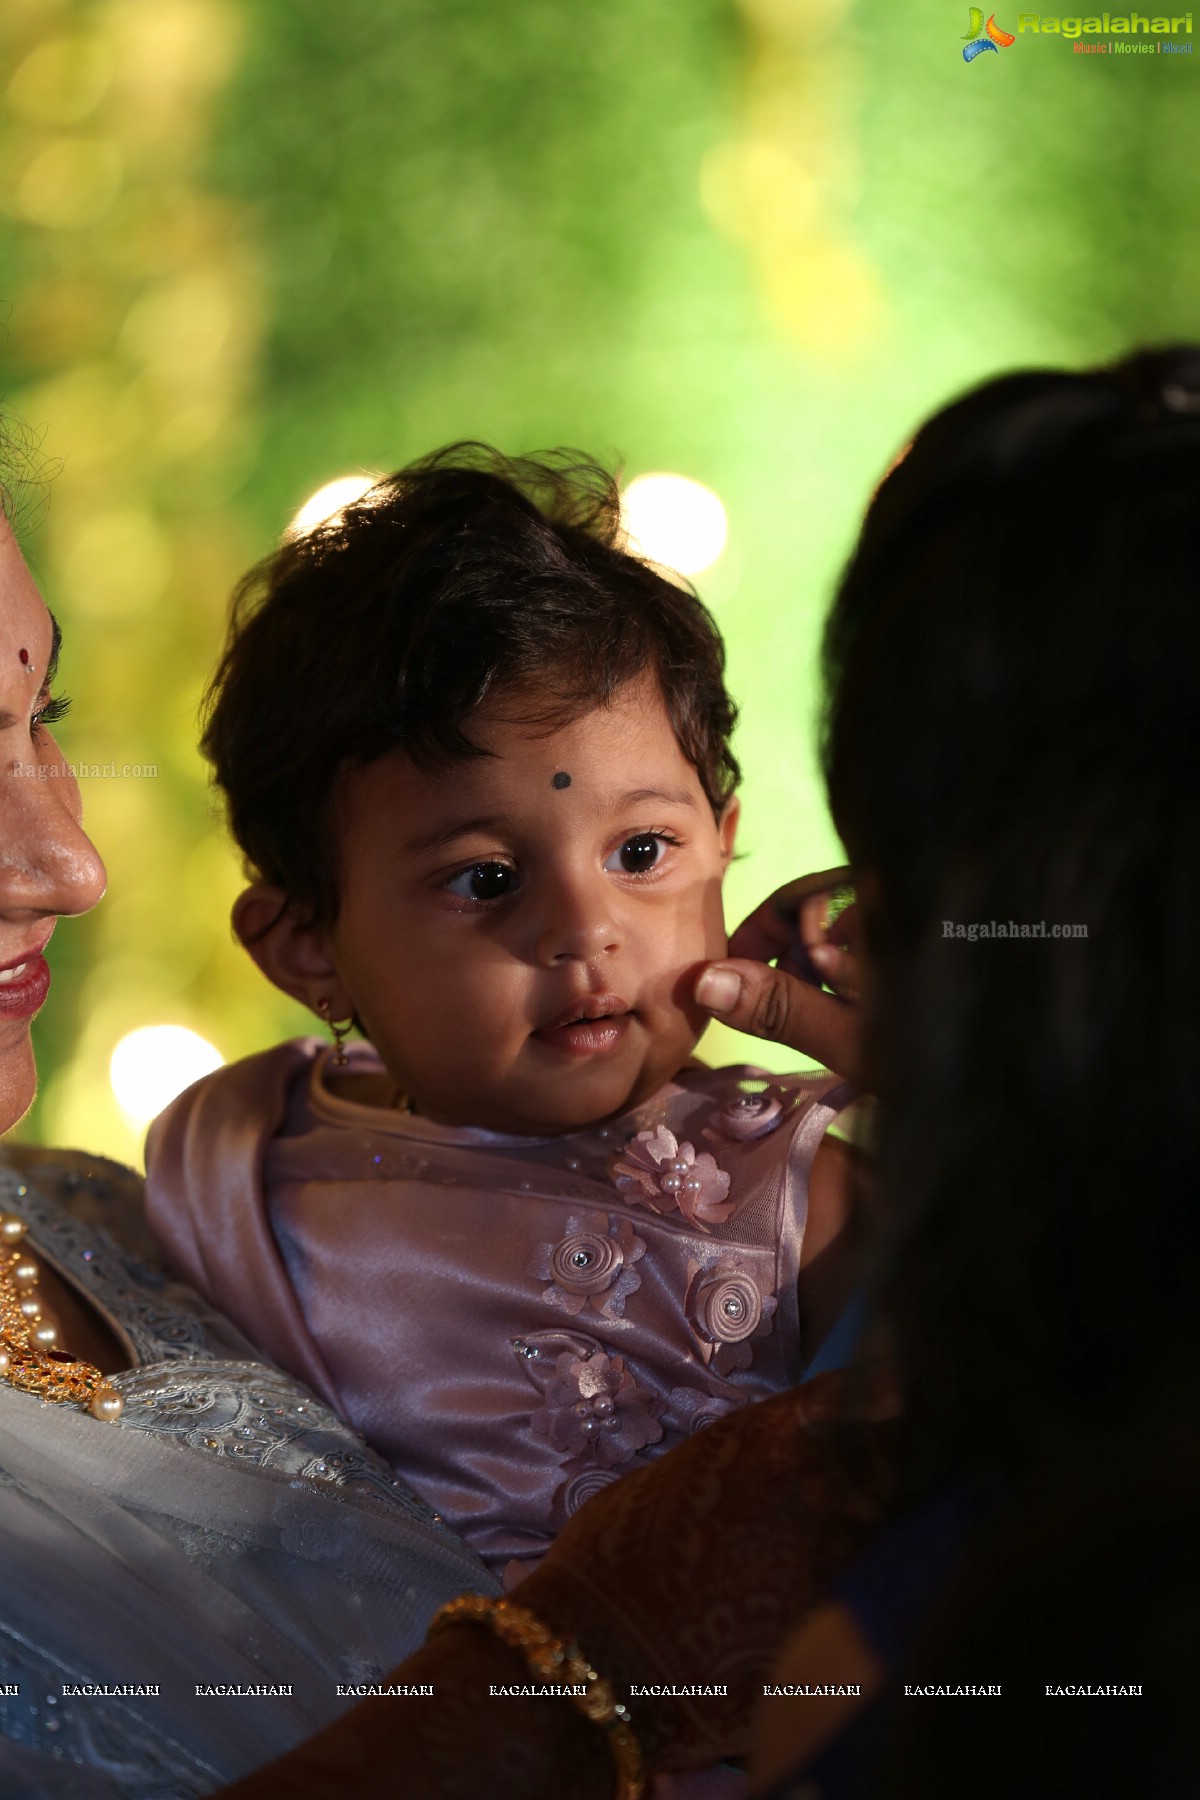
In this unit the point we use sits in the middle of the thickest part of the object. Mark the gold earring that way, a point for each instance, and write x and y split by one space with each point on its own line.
341 1031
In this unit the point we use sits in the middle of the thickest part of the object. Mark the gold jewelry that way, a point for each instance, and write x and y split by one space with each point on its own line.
29 1355
340 1030
556 1659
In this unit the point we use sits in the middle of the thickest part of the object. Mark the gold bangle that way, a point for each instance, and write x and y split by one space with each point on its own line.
556 1659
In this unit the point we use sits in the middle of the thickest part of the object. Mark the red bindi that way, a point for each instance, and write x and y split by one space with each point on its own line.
25 657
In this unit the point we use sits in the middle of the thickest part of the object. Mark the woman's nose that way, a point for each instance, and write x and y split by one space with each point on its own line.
48 864
577 920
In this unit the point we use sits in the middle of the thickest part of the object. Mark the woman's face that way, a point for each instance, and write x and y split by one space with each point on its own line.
47 865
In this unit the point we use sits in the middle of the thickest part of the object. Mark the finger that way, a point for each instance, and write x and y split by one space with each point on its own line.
769 1003
829 946
787 899
763 936
813 919
768 931
837 968
844 928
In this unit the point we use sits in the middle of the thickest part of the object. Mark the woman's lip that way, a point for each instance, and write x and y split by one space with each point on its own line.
586 1037
38 949
23 994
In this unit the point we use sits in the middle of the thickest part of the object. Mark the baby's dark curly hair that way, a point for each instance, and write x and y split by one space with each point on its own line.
464 577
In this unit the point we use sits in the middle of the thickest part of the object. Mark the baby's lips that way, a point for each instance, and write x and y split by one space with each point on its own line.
585 1006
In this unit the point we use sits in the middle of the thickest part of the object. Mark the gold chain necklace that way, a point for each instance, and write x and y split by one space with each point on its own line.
30 1358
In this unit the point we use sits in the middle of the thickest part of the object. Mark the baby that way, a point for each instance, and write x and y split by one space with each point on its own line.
477 756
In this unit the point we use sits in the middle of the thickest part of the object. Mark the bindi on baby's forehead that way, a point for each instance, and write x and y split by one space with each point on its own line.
560 779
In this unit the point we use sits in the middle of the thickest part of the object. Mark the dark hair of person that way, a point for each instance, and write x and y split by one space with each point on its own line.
463 578
25 474
1012 737
1064 1591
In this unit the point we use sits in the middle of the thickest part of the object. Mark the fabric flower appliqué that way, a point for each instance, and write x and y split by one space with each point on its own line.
727 1310
582 1479
693 1410
753 1111
656 1170
592 1405
592 1265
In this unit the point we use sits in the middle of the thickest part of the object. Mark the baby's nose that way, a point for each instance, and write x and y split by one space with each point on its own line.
578 923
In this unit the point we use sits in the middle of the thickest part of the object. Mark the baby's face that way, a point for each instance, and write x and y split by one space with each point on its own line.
519 933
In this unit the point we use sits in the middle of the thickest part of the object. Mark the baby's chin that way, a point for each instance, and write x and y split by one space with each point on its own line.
584 1099
601 1095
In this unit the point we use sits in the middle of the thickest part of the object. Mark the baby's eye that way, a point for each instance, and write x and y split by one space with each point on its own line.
483 881
639 854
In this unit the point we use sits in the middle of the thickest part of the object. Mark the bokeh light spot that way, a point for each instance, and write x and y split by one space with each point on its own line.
61 82
181 327
72 182
673 520
118 564
150 1066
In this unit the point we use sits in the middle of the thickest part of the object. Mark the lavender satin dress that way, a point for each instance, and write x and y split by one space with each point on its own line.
512 1322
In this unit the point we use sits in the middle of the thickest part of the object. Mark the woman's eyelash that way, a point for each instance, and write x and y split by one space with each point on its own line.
56 707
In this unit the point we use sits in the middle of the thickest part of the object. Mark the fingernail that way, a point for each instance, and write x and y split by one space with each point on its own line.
824 955
718 989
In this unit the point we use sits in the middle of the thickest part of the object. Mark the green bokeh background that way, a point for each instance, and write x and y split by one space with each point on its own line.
249 245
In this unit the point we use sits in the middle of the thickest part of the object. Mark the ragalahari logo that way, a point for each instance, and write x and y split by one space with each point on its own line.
984 37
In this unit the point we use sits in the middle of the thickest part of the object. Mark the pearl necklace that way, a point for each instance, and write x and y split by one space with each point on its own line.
29 1355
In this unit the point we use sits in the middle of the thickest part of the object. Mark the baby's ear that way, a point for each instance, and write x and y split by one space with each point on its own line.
727 826
293 955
